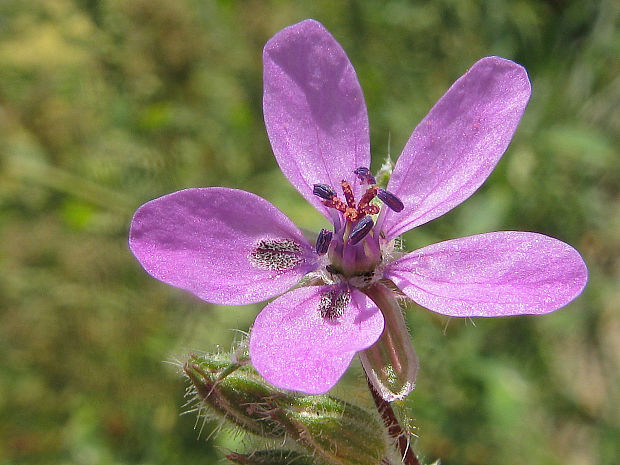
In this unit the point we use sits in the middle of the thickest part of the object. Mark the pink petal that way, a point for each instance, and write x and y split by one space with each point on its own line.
314 109
293 347
205 241
457 145
493 274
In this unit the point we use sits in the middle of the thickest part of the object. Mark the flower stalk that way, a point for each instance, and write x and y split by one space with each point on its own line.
393 426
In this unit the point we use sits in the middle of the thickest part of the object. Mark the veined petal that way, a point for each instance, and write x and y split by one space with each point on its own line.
226 246
457 145
293 346
493 274
314 108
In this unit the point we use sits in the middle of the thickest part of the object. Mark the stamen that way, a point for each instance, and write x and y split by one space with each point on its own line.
369 209
352 214
336 203
347 190
324 191
370 194
364 175
361 230
323 241
393 202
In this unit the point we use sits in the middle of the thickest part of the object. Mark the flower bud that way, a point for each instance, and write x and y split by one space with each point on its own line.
330 429
233 391
337 432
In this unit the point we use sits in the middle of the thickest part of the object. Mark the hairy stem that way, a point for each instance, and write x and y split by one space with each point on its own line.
394 429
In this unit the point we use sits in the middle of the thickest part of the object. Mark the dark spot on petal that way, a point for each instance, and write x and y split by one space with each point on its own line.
334 302
276 254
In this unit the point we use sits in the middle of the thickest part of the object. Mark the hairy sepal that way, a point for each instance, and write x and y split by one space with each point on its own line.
332 430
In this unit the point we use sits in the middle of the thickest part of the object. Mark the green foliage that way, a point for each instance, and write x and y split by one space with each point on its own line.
107 104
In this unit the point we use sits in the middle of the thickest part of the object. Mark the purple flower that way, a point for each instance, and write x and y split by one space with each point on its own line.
232 247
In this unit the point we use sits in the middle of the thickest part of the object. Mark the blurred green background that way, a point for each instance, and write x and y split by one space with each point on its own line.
107 104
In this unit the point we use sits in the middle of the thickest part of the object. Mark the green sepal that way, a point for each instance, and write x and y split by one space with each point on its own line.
337 431
385 172
231 390
332 430
391 363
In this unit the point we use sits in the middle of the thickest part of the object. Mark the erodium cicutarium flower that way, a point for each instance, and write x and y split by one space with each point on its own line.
232 247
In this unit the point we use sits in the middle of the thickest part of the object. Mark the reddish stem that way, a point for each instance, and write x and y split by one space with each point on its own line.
394 429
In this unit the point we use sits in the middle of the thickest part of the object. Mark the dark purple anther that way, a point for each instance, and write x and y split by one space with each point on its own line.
323 241
390 200
324 191
361 230
364 175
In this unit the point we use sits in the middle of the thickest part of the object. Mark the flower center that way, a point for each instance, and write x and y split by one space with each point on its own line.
348 208
353 249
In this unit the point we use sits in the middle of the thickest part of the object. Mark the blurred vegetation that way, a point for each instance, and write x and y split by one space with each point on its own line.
105 104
